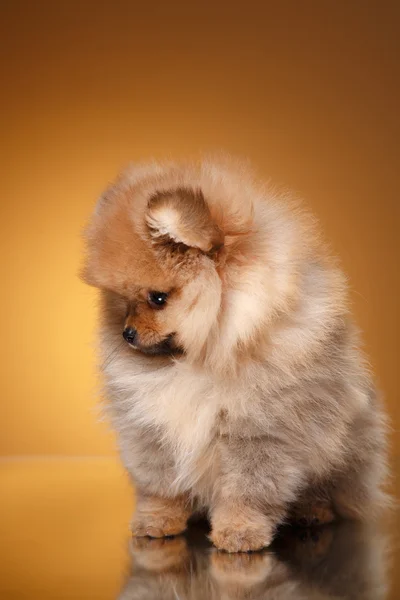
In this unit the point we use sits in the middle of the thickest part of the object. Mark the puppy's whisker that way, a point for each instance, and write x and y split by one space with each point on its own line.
113 354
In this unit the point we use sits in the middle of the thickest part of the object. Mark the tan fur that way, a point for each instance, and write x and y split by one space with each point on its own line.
264 398
158 517
313 513
240 528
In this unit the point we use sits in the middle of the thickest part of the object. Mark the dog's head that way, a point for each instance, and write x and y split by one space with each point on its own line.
181 254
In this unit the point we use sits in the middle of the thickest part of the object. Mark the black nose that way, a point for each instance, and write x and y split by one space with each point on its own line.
129 334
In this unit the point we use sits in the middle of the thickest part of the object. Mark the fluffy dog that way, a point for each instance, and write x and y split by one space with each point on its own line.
239 388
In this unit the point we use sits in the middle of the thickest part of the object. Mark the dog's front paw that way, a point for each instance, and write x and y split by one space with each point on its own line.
312 514
242 539
160 517
157 526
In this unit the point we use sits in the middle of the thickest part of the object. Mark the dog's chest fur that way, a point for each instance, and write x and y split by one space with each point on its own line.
183 408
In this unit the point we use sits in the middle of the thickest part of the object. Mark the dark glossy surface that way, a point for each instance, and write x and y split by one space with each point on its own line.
344 560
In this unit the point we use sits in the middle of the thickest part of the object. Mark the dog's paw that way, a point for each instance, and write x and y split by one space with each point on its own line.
157 526
311 515
244 539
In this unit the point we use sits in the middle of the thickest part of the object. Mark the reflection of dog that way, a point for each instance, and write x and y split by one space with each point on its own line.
345 560
238 386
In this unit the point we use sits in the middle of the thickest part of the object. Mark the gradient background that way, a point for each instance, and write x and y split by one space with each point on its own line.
309 90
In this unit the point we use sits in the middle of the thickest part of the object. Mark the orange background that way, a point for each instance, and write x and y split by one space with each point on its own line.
307 90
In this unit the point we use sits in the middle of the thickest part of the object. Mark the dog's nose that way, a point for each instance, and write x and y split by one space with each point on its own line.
129 334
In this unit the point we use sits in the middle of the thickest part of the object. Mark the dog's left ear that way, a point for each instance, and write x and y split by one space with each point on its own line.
182 216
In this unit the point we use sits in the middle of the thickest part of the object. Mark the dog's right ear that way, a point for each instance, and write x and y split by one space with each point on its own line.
182 216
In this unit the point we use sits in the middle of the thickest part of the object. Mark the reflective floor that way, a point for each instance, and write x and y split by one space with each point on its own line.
344 561
64 534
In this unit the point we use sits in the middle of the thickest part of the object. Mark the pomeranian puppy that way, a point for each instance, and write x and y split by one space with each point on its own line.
230 360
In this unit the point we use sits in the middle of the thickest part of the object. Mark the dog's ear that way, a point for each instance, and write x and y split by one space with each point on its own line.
182 216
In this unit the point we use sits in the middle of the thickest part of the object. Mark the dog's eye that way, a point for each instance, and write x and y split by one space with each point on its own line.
157 299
